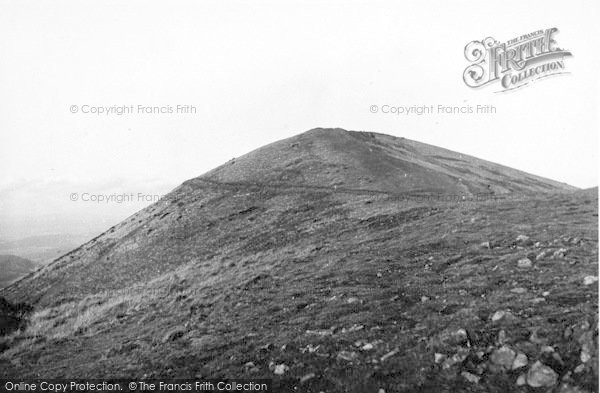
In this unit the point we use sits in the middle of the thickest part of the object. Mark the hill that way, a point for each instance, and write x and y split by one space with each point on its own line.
317 161
43 248
13 267
334 261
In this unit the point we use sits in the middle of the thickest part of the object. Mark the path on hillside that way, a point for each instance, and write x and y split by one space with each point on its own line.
412 196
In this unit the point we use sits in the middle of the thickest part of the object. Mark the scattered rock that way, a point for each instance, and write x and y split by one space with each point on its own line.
367 347
310 348
457 358
519 290
524 263
485 245
522 238
307 378
251 367
541 255
448 363
322 332
501 337
547 349
557 359
389 355
424 299
439 357
452 338
280 369
540 375
589 280
520 361
579 369
502 315
347 356
504 356
352 300
470 377
585 356
588 347
560 253
353 328
460 355
460 336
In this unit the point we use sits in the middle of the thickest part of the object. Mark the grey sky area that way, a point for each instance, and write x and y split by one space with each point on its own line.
232 76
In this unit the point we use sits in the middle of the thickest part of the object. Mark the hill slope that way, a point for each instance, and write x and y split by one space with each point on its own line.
291 256
166 234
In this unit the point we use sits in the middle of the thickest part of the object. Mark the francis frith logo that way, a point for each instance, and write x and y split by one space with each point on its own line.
516 62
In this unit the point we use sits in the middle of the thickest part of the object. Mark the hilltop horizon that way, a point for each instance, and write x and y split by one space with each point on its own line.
57 216
334 159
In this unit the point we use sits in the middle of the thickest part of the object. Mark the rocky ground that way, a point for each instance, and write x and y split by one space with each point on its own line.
362 295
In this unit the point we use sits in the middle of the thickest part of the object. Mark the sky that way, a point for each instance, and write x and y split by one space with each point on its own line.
256 72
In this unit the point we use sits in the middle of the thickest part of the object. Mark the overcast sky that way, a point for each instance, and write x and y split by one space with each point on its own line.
261 73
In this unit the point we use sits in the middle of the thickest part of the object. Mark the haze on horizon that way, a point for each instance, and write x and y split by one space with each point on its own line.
256 76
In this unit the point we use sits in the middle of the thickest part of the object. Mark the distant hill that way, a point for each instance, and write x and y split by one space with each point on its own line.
43 248
13 267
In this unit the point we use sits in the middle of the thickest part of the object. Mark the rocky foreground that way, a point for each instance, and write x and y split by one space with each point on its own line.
492 297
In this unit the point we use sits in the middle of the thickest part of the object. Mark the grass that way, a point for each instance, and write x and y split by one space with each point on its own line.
74 318
237 273
271 289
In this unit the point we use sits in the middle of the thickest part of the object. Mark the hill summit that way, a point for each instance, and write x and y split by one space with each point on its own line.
379 162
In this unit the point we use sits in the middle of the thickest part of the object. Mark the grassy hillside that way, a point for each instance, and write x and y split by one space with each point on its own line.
329 286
